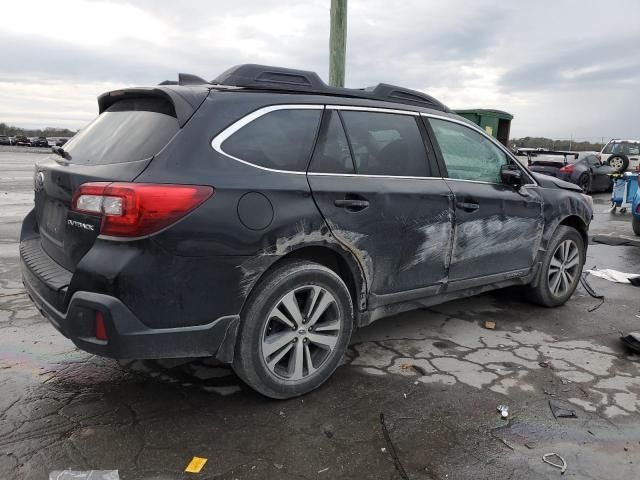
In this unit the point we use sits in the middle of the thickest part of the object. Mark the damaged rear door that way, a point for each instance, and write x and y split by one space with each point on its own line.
375 187
497 228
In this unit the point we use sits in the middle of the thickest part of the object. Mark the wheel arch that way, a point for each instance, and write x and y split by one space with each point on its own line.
575 222
340 262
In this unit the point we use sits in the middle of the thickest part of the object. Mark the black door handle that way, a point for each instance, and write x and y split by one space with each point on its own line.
467 206
352 205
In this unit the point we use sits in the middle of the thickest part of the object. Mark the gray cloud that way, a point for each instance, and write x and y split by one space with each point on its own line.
575 59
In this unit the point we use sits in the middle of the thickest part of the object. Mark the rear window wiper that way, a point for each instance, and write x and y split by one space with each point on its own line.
61 151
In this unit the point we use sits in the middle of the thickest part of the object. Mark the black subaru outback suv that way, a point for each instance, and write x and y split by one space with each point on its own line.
261 217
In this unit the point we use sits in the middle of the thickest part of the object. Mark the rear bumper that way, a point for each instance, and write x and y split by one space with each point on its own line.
127 336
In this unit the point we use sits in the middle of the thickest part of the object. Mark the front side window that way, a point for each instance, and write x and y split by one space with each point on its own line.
280 140
386 144
467 154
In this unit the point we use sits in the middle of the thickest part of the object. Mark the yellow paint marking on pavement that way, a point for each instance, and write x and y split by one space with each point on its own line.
195 465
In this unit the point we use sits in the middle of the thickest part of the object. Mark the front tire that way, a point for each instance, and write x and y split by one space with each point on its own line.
294 330
561 268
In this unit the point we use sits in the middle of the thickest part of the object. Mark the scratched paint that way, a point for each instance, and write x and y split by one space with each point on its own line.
494 235
437 240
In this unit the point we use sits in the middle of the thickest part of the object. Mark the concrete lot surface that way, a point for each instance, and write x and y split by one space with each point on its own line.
436 374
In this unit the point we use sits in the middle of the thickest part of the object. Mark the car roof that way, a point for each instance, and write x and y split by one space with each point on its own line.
188 93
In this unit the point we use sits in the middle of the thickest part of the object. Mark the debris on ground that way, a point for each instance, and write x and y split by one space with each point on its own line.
616 276
504 410
585 284
323 470
195 465
406 366
392 449
562 466
632 340
488 324
561 412
279 466
544 364
89 474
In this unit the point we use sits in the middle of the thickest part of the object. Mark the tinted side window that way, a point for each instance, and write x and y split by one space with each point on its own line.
467 154
332 154
281 139
386 144
593 161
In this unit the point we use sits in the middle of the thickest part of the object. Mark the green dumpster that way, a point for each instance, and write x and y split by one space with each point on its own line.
495 122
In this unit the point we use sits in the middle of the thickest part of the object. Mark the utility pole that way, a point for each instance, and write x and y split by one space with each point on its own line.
337 42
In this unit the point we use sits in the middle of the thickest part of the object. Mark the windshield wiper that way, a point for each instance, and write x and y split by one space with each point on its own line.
60 151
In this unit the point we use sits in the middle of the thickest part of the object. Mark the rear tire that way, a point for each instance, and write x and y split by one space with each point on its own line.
618 162
584 182
294 330
635 224
561 268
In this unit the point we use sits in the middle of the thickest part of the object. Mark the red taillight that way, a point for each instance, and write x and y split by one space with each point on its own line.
568 168
101 331
138 209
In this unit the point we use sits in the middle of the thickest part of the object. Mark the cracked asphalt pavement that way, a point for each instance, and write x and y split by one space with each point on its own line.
436 374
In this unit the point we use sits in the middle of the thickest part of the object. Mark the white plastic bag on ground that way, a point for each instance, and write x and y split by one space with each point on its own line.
613 275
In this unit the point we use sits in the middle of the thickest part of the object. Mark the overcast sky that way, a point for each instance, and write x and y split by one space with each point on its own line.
561 67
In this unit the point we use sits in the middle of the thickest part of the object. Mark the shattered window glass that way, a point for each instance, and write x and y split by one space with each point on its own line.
467 154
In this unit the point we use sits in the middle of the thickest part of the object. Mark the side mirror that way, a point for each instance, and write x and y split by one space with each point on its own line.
510 175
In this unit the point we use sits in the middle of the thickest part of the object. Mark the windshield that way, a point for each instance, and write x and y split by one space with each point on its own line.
129 130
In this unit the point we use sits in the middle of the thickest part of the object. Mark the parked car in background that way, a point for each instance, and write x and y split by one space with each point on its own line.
61 141
261 217
621 154
22 141
40 142
5 140
581 168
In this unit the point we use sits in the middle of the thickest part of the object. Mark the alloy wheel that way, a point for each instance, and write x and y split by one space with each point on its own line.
563 268
301 332
616 163
584 184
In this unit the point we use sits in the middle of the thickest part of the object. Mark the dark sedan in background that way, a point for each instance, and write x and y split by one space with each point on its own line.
582 168
40 142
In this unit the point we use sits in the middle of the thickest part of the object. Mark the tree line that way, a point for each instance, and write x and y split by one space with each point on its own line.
12 131
542 142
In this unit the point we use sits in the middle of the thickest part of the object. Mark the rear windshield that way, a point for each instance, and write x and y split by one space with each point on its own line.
129 130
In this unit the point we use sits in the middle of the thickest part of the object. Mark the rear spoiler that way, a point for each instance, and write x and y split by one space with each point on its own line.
532 152
185 100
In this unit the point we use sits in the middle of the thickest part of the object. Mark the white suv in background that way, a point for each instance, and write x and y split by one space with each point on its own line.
621 154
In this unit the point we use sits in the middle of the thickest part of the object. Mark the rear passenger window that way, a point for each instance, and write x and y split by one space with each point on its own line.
467 154
332 154
281 140
386 144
